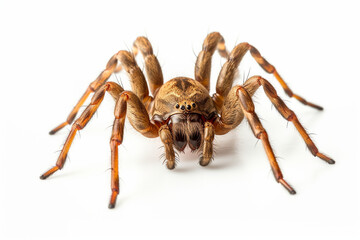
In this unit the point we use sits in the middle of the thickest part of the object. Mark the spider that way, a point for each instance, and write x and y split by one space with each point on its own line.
181 111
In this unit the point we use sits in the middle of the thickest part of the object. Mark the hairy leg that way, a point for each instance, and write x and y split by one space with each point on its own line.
207 153
248 108
115 90
253 83
212 42
99 81
226 76
129 105
231 113
242 105
125 60
152 66
167 140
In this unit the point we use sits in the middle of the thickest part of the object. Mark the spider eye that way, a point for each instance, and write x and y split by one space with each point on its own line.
177 106
194 105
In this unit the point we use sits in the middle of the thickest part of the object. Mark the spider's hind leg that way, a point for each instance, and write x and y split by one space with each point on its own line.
226 76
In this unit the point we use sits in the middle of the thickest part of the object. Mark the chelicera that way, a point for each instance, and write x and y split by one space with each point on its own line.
181 111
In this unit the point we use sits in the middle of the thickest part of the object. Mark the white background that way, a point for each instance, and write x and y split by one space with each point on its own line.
50 52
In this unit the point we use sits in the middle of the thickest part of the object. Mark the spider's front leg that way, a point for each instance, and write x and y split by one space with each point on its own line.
138 117
248 108
125 60
237 105
94 86
111 87
128 104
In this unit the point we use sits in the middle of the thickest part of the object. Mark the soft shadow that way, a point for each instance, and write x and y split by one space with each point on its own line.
119 202
222 164
181 169
227 144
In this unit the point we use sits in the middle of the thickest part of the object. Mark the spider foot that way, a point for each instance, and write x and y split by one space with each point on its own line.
55 130
170 164
204 161
113 199
325 158
287 186
49 172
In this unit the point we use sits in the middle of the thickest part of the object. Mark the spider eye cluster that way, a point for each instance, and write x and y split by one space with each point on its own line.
185 106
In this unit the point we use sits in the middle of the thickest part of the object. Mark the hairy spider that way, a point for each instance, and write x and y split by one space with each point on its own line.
181 112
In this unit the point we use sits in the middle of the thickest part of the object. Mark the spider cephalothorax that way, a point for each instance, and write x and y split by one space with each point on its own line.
184 105
181 111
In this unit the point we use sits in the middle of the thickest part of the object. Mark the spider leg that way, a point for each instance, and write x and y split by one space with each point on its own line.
209 132
115 90
253 83
99 81
129 105
248 108
212 42
231 114
152 66
126 60
167 140
226 76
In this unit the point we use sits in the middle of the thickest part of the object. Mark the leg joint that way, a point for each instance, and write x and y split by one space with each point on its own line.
261 134
291 116
268 88
245 99
115 141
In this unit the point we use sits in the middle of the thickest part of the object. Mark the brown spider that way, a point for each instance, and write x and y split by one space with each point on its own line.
181 111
